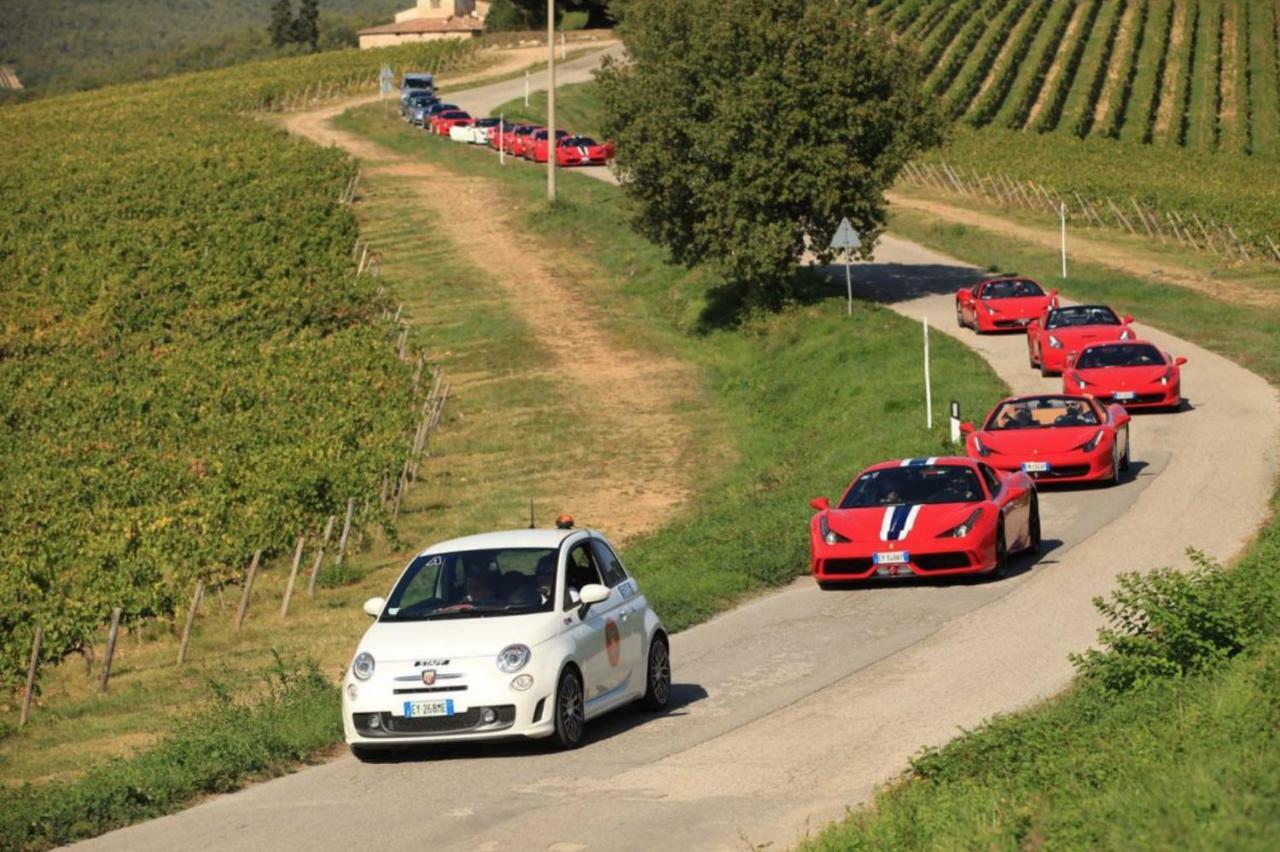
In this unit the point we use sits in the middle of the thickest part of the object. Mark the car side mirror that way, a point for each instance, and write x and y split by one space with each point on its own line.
1179 361
966 428
374 606
1128 318
822 504
590 595
1053 292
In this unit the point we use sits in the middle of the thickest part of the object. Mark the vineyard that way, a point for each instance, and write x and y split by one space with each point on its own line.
1171 104
191 367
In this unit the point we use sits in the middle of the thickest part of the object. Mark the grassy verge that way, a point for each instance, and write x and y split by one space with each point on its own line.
788 386
1171 735
220 747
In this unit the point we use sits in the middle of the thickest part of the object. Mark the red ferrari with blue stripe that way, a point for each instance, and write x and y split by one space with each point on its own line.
1059 331
1002 304
1054 437
927 517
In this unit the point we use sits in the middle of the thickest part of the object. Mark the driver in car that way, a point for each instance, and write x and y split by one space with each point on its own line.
1075 415
480 589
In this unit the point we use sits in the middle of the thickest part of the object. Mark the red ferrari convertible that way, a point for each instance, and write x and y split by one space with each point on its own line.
1135 374
1002 304
583 151
924 518
1058 331
1054 438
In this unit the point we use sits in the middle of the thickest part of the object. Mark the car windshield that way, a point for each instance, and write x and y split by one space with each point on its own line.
914 484
475 584
1044 412
418 82
453 113
1120 355
1082 315
1011 289
579 142
486 122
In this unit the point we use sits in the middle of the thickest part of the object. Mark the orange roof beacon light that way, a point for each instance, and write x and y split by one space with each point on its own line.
564 522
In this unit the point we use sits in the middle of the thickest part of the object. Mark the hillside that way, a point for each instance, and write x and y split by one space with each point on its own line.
61 45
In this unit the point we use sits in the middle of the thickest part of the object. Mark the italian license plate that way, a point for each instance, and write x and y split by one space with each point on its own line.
1035 467
418 709
892 557
1124 396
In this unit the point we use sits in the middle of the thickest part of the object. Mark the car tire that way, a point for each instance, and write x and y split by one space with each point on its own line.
959 316
1115 467
1001 569
657 681
570 710
1128 447
1034 526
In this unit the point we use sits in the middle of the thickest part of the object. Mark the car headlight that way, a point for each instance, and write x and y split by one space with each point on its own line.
963 529
990 310
829 535
513 658
1092 444
362 666
521 683
1078 379
1126 334
982 448
1055 342
1168 374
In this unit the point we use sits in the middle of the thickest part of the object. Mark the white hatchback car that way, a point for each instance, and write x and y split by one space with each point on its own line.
526 633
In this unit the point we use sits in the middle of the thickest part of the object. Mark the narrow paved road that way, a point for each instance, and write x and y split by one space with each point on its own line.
795 705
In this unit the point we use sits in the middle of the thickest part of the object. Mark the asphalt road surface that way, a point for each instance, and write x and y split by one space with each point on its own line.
797 704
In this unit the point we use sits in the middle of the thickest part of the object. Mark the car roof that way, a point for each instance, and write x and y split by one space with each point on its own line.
924 461
538 537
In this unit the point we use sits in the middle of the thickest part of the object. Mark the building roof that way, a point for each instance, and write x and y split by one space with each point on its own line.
452 24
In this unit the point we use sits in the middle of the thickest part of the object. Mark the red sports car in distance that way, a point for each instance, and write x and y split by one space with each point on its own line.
1054 438
1002 304
1134 373
583 151
520 138
535 146
927 517
442 121
500 138
1059 331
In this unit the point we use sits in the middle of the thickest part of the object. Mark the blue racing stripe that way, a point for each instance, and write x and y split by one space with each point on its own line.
898 521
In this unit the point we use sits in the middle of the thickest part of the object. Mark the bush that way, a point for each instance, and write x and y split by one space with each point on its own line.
571 21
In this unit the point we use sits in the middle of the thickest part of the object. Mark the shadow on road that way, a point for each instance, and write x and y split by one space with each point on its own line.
902 282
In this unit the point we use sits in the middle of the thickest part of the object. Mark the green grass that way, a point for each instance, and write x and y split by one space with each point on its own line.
787 384
577 109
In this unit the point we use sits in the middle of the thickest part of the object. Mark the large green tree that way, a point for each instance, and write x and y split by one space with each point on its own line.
746 130
306 27
281 27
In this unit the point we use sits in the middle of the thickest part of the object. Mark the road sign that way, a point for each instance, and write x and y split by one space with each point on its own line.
386 80
846 237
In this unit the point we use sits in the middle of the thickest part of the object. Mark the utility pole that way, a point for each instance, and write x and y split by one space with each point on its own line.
551 100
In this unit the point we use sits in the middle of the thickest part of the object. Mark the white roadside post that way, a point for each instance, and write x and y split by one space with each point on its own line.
551 101
502 140
526 88
563 55
955 422
1062 216
928 384
847 239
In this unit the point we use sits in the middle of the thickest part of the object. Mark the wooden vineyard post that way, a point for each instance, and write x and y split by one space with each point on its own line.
293 576
248 588
191 620
31 677
346 531
111 650
315 565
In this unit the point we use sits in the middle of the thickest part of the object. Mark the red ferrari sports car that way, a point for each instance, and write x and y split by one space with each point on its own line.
517 139
583 151
1002 304
535 146
924 518
503 140
1058 331
1054 438
442 121
1134 373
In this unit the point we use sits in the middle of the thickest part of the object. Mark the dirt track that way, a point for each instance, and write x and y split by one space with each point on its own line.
795 705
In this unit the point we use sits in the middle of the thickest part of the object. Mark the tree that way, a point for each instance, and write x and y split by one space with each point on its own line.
281 28
746 130
306 27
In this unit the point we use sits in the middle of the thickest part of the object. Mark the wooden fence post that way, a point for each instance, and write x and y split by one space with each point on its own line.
248 588
293 576
191 620
346 531
111 650
31 677
315 566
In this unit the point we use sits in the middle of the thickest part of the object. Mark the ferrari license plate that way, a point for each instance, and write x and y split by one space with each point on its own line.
1035 467
418 709
1124 396
892 557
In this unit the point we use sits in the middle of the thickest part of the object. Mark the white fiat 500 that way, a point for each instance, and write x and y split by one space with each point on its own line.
526 633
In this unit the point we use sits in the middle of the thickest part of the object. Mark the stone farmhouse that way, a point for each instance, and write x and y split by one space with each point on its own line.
430 20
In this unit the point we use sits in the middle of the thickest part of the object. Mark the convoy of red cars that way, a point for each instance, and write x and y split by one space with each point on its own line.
935 517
